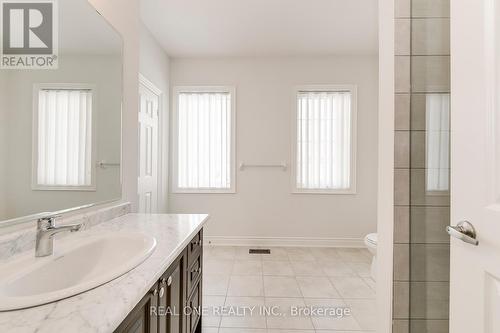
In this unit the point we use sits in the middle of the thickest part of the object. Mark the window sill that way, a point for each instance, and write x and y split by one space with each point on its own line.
200 191
64 188
326 192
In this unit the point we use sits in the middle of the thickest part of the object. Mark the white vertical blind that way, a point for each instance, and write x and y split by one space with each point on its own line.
324 140
204 140
64 137
438 142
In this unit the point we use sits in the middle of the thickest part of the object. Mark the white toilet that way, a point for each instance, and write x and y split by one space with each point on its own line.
371 245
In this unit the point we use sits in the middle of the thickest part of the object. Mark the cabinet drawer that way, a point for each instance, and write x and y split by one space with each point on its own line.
194 248
194 303
193 274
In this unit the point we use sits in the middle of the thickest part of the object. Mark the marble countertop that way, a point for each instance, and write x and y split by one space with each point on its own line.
102 309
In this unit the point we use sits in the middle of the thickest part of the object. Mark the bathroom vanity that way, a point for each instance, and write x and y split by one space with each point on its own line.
170 277
173 304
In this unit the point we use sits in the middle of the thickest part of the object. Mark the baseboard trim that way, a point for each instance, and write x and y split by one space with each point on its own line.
284 241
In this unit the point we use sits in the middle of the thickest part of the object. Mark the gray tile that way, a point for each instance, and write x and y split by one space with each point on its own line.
428 224
401 224
402 112
218 266
430 8
418 112
247 267
401 326
316 287
402 38
430 36
418 149
281 286
401 300
210 329
279 268
430 326
401 262
248 319
430 262
322 322
402 8
401 187
430 74
241 330
215 285
212 304
352 287
402 74
241 285
419 195
337 269
365 312
429 300
307 268
284 307
402 149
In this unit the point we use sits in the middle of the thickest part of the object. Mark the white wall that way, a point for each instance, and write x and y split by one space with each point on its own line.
263 205
102 71
154 65
3 140
124 16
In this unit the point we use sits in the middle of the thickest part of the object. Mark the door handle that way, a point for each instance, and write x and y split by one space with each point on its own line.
464 231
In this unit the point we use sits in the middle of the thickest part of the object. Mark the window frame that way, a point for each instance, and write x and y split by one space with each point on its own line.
35 186
354 121
175 134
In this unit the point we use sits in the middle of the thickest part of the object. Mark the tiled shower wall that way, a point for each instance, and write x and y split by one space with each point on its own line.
421 245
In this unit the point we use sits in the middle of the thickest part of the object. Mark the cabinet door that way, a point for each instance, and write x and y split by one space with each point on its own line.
143 318
172 298
193 317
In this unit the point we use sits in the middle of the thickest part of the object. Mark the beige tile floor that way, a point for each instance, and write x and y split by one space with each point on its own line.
321 278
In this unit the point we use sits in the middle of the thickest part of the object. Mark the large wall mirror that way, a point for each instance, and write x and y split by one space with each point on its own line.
60 129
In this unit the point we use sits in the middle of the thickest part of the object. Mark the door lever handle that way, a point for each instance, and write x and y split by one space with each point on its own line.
464 231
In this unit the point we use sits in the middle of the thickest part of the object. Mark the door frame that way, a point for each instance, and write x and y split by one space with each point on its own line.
162 132
385 195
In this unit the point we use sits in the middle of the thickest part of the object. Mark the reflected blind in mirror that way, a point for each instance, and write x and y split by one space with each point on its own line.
64 137
323 140
438 142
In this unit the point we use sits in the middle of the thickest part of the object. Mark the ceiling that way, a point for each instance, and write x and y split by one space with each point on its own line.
200 28
83 31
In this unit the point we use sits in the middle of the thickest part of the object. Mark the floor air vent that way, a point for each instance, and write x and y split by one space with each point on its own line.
259 251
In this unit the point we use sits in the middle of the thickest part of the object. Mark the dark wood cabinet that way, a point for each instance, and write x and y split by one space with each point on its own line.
172 299
142 319
173 305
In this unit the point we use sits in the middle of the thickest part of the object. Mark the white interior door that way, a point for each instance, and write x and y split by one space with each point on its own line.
148 149
475 168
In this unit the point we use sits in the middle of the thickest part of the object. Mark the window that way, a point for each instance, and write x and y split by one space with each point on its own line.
204 140
325 139
437 142
63 140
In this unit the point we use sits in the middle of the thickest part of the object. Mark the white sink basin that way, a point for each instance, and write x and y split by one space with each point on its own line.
76 266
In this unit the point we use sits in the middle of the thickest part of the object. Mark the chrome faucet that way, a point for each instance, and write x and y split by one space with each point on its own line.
45 231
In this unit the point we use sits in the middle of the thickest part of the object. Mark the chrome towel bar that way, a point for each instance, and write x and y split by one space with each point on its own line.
282 165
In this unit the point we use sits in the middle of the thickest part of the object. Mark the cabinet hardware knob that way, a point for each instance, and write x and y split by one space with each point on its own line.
169 281
162 292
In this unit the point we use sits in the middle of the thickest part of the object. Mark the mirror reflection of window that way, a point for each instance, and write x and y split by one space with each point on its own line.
64 135
437 142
